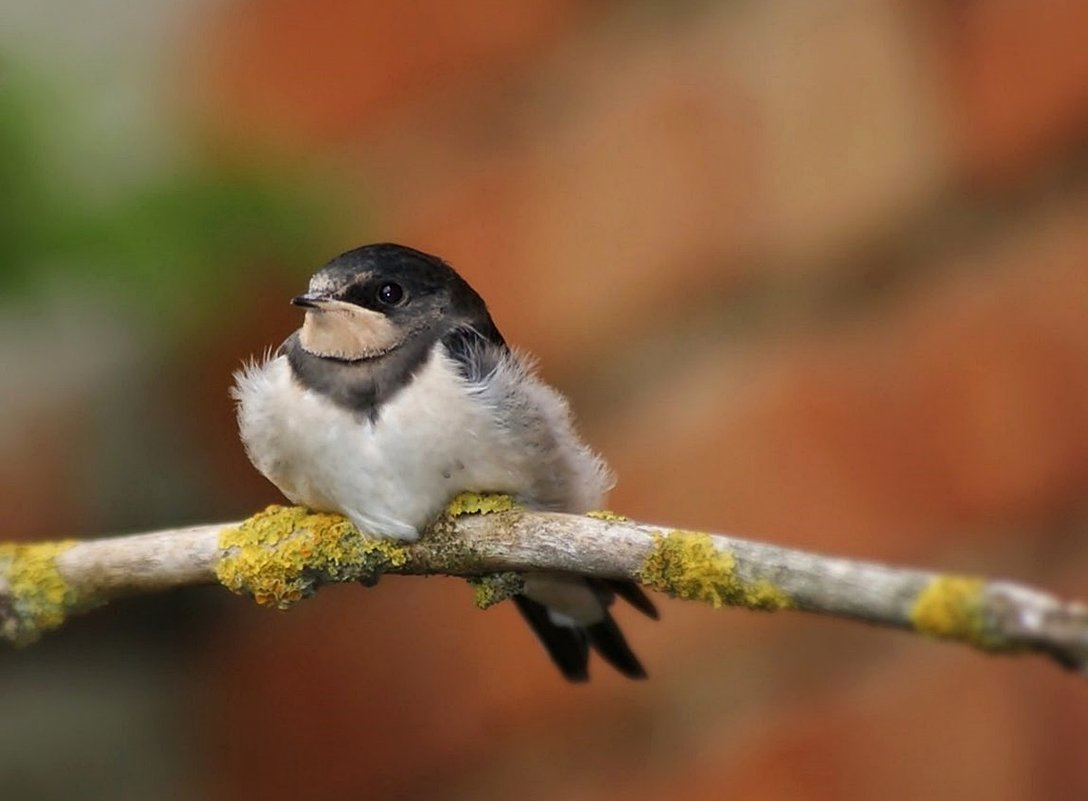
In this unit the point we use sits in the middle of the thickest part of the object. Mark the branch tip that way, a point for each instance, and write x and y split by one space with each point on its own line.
34 596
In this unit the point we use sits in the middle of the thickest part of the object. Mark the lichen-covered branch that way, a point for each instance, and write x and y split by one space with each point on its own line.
282 555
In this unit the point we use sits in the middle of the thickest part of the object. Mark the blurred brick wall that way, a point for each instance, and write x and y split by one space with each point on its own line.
815 272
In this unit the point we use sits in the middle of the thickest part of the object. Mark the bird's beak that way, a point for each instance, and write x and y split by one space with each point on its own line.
311 300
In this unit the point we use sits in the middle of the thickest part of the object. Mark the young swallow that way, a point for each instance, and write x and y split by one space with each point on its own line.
397 393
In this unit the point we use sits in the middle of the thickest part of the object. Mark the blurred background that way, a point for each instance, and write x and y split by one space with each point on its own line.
815 273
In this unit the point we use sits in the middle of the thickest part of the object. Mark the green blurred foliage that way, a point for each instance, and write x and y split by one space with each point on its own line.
172 246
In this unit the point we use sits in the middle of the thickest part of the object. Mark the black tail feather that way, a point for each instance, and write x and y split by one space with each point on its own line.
633 594
568 647
607 640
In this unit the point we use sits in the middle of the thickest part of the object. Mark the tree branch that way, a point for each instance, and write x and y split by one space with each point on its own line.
283 554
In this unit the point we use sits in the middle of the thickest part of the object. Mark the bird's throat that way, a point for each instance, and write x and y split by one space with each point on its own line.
342 330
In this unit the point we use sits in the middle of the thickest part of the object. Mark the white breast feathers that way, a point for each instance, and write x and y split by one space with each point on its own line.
436 437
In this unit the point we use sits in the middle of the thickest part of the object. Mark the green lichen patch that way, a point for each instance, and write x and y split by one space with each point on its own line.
495 588
607 515
686 564
39 599
281 555
476 503
951 607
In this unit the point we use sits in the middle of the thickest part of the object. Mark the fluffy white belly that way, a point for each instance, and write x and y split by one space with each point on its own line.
390 477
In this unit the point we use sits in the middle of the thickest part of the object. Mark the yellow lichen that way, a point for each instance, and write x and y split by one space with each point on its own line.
607 515
280 556
687 564
951 607
495 588
476 503
40 598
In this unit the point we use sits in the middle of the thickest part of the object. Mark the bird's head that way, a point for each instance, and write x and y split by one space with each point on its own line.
369 301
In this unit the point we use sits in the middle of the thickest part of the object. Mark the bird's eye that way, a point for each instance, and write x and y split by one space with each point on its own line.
390 294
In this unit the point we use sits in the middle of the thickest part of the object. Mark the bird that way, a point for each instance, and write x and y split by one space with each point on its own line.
398 393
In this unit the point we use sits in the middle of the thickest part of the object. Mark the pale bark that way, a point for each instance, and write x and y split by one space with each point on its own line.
997 616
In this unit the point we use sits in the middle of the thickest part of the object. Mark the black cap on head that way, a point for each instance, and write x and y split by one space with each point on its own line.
400 282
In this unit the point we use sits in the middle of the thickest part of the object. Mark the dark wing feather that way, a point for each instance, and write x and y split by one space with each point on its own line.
477 349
